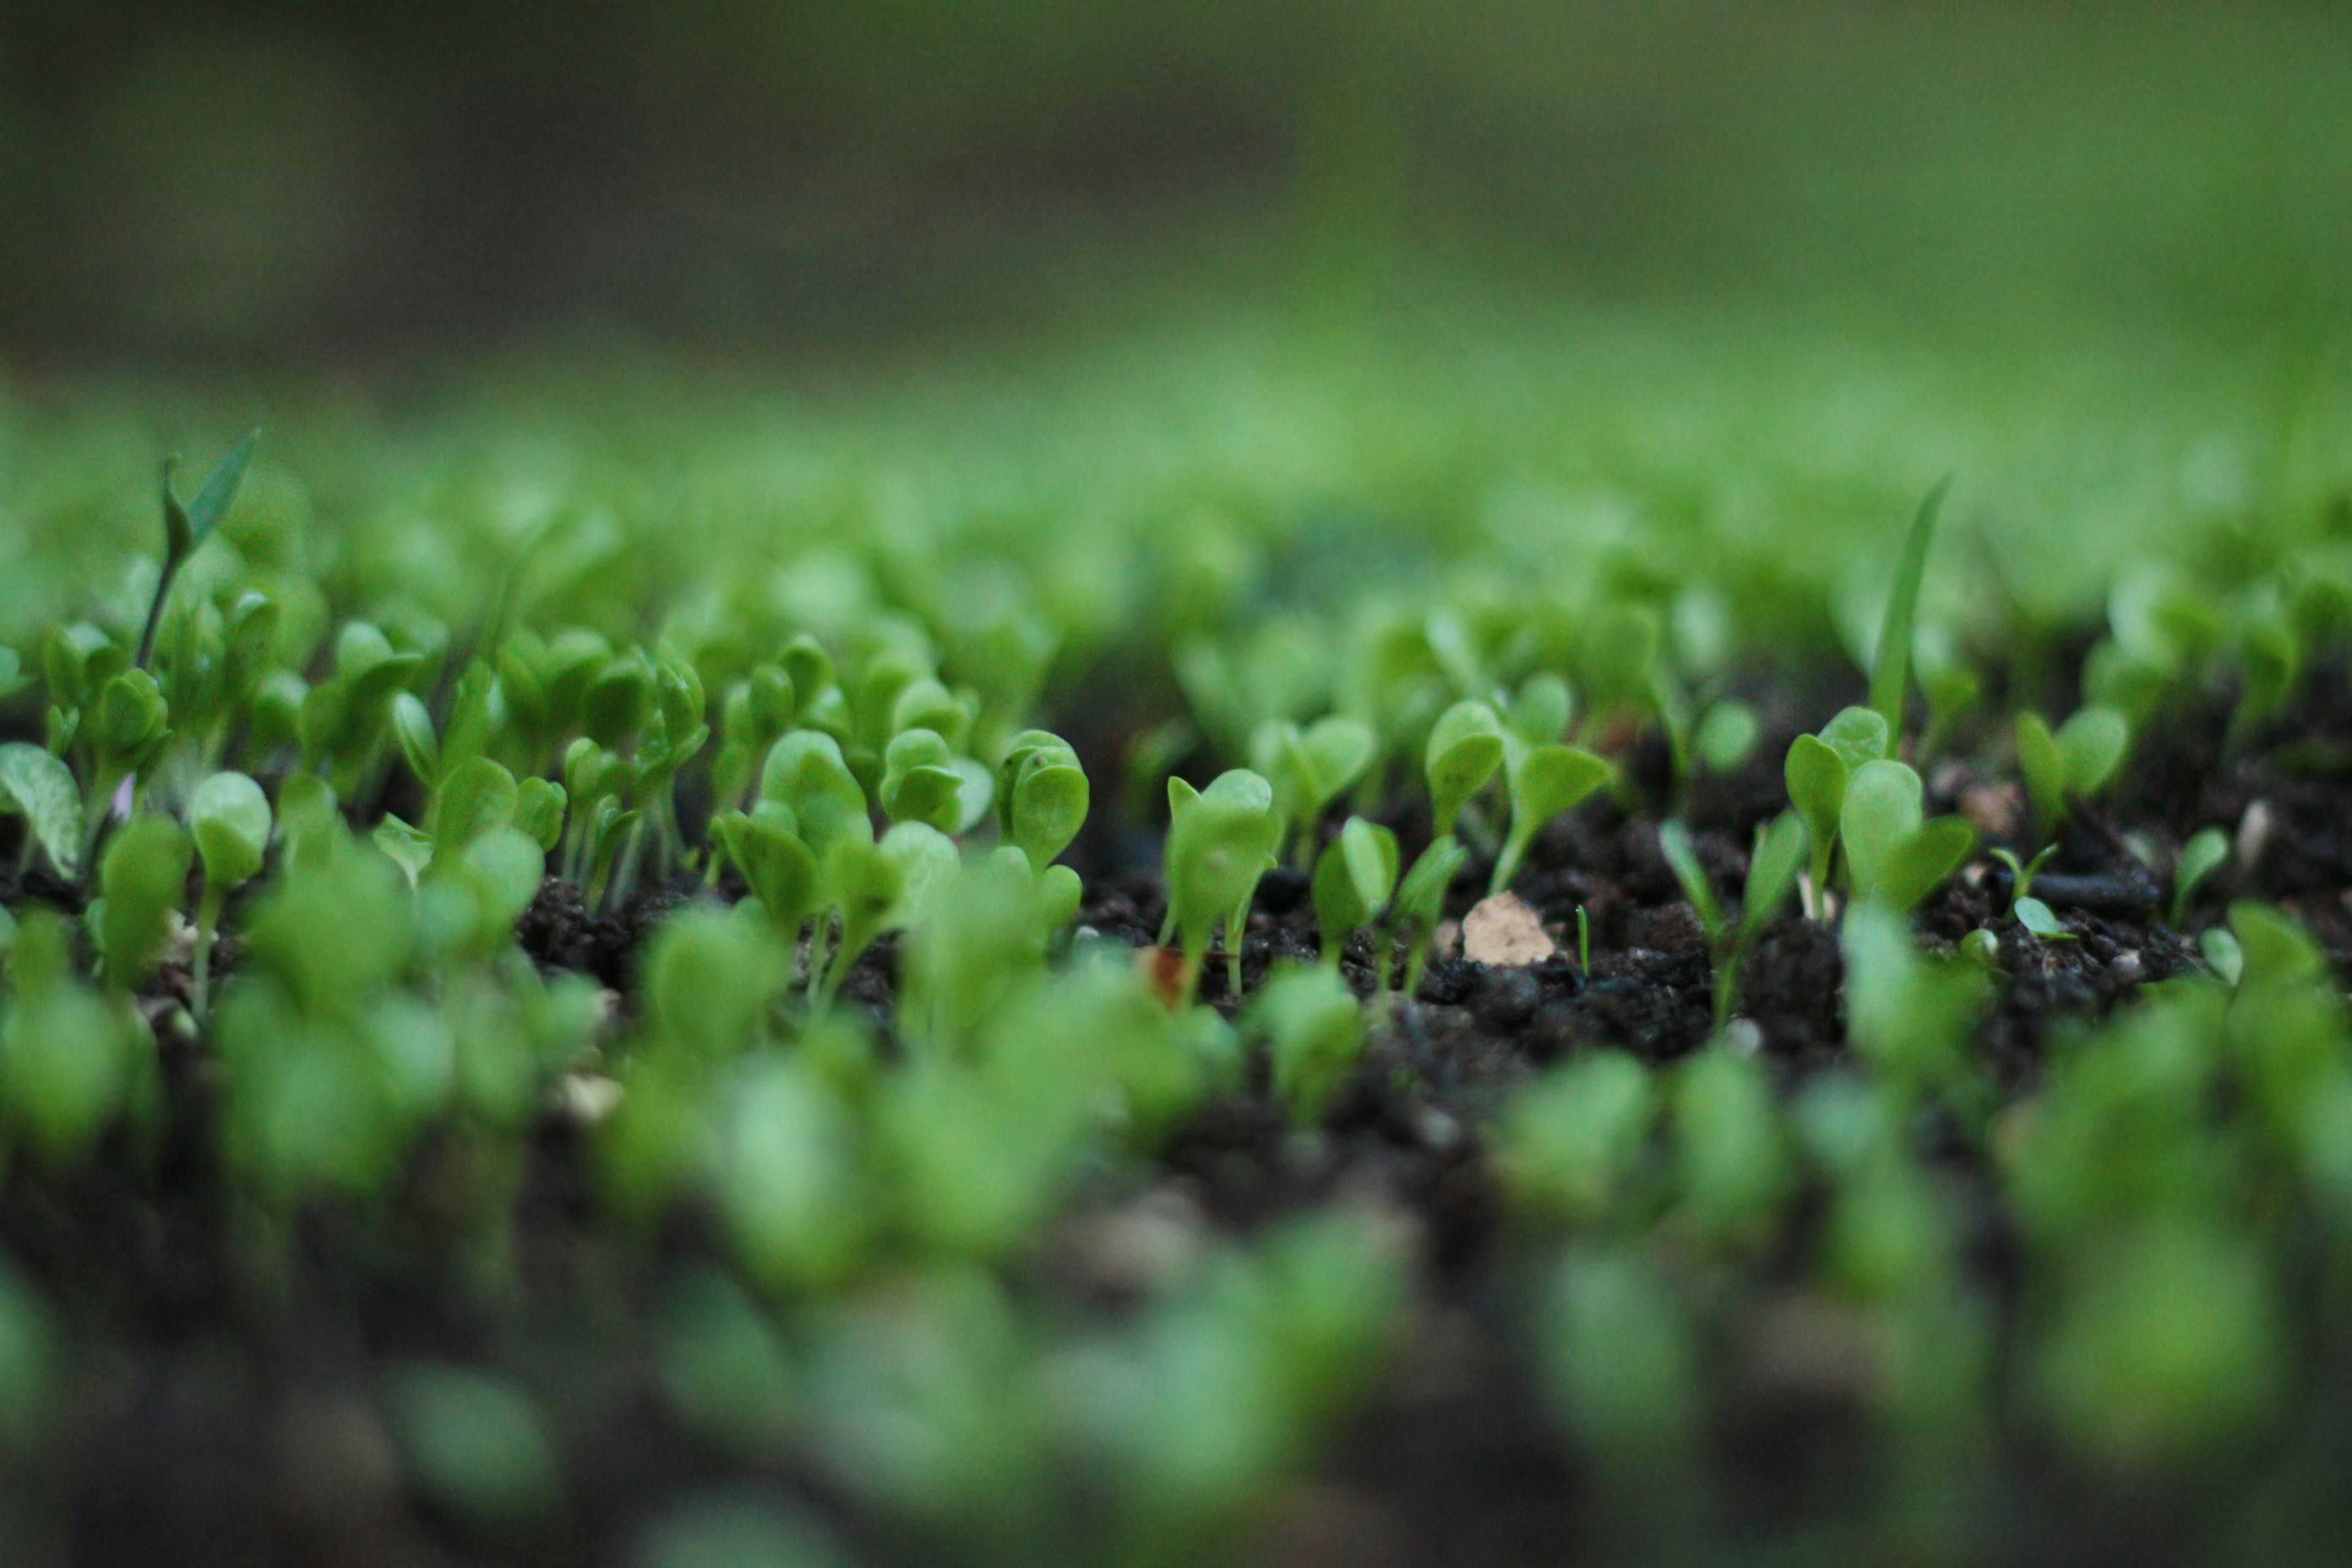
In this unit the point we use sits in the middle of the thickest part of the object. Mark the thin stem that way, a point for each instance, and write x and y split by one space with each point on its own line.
208 910
155 615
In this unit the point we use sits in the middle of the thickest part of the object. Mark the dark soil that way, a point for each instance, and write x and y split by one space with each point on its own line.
219 1419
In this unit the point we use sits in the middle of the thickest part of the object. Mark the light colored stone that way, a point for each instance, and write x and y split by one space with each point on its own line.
1503 929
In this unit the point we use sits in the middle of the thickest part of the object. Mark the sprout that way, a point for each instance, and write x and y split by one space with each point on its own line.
1354 879
1544 782
69 1060
919 782
1772 873
1816 770
1465 748
1907 1015
2075 763
1308 769
1893 857
1220 841
1041 797
1420 903
186 527
230 818
2200 859
1731 1164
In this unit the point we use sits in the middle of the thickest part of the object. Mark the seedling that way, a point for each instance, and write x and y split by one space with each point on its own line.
1420 903
1041 797
1220 841
1465 750
186 529
2200 859
1544 782
2075 763
1308 769
1354 881
2021 874
145 870
229 817
1893 857
1771 872
1725 737
1817 772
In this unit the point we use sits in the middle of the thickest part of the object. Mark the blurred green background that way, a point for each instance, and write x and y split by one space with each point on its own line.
259 180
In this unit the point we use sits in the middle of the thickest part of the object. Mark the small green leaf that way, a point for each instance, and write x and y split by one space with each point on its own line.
2200 859
2093 743
1682 856
404 846
143 876
1540 712
2222 954
1465 750
230 818
1816 778
2041 920
1858 735
2043 767
212 502
539 811
503 865
1049 807
1890 669
1315 1030
412 727
776 865
2277 949
36 783
1925 861
1544 782
478 795
1772 873
1882 809
1354 878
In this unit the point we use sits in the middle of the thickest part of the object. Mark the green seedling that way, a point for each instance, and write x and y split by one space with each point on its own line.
2200 859
920 781
1314 1030
1772 870
1220 841
540 805
1544 783
1354 879
1584 940
1041 797
1464 754
123 730
1893 857
1420 904
1540 708
1308 768
779 868
186 529
36 786
1890 667
1817 772
141 881
2074 763
2022 873
229 817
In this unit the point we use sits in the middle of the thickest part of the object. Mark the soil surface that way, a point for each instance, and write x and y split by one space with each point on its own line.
218 1419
